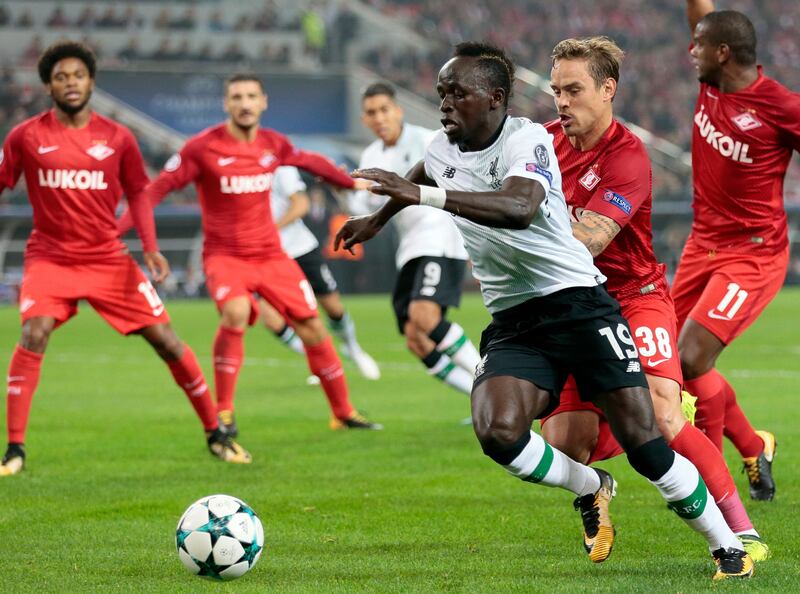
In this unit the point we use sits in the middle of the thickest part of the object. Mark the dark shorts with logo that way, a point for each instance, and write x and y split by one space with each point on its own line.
578 331
431 278
317 272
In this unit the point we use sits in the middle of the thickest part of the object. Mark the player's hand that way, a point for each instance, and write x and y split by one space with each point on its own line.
362 184
157 265
356 230
390 184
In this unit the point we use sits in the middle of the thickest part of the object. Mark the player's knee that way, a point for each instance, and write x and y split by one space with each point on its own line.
34 337
425 315
311 331
630 413
496 435
165 342
577 447
414 342
669 416
694 362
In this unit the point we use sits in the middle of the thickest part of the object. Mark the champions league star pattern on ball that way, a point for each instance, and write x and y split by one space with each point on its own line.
219 537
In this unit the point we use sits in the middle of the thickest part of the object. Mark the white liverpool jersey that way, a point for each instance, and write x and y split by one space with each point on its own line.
515 265
296 239
423 231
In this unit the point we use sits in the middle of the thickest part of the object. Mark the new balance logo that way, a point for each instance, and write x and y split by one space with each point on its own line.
449 172
43 150
633 367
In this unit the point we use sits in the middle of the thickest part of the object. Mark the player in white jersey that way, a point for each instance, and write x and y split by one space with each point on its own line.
430 256
551 315
290 204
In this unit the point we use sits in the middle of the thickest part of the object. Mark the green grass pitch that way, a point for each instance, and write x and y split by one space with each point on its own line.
115 455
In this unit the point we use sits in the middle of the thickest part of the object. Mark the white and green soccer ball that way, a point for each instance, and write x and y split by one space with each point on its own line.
219 537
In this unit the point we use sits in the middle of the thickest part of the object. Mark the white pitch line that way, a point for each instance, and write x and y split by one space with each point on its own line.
300 362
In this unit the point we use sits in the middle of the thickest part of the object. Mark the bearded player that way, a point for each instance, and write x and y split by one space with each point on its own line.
607 182
77 164
746 126
232 165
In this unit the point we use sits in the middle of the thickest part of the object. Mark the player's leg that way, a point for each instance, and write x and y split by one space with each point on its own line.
23 378
285 287
228 353
342 325
48 298
503 408
632 420
738 291
608 368
324 362
424 316
188 375
688 441
276 323
323 283
574 432
123 296
654 329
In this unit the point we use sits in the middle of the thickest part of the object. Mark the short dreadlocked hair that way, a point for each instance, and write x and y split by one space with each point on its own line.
496 67
66 49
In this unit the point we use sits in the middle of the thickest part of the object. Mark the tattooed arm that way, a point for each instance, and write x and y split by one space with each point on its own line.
595 231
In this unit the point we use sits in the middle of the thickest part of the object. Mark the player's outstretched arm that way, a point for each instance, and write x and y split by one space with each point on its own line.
696 10
595 231
513 206
363 228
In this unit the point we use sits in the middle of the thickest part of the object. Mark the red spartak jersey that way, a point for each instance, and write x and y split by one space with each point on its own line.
75 179
614 179
233 181
742 143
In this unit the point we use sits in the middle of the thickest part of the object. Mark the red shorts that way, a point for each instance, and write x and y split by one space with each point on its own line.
117 290
654 328
279 280
726 291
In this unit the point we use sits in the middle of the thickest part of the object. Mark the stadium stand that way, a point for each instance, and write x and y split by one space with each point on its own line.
405 41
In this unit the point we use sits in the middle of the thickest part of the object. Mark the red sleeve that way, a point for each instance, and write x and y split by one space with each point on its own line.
626 183
179 170
314 163
133 178
11 159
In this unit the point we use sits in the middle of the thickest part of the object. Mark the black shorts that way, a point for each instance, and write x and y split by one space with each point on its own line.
578 331
429 278
317 272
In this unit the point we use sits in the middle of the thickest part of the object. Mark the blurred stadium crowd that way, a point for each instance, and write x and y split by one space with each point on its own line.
658 87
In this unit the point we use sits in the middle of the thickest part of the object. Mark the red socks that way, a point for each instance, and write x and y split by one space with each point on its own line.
326 365
717 410
23 377
691 443
710 416
738 429
189 377
228 356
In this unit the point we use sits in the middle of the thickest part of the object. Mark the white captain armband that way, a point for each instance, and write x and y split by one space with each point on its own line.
431 196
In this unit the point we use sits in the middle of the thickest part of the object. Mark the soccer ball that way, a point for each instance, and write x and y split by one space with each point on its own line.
219 537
